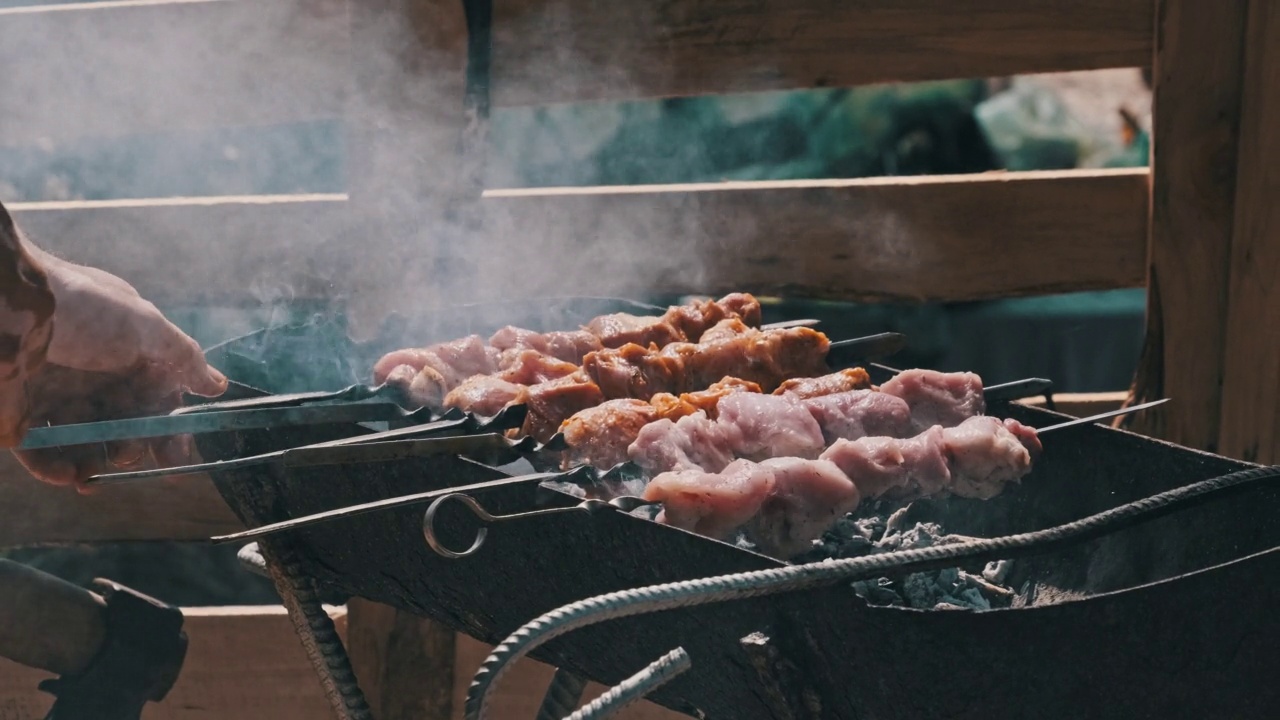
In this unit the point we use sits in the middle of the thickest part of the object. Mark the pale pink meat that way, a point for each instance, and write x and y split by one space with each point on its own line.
621 329
694 442
808 496
925 457
860 413
938 398
711 504
875 464
763 426
985 455
438 369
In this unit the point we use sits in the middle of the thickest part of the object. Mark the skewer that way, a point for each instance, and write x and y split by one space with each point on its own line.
583 474
510 417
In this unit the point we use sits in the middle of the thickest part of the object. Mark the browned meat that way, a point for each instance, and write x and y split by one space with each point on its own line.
693 319
725 330
632 371
622 329
766 358
600 435
743 306
571 345
551 403
530 367
830 384
485 395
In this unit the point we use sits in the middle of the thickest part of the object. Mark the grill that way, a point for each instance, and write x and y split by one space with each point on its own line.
1168 617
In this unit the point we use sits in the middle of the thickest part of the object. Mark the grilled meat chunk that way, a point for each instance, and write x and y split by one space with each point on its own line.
938 398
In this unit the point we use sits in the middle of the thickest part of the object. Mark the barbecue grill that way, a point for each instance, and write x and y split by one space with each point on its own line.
1168 617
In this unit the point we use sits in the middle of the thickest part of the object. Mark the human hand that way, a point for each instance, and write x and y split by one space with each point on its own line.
113 355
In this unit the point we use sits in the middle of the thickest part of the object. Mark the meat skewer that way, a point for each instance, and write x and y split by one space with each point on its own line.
575 476
428 374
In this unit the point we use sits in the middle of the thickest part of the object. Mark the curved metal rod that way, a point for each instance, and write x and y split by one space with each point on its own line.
626 503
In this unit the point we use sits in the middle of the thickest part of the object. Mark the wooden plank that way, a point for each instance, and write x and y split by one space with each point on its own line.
405 663
1198 73
245 251
1082 404
936 238
41 514
521 691
105 69
576 50
1250 427
241 663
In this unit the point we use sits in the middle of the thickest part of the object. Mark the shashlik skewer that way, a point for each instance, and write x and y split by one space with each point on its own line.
802 415
784 503
427 374
577 476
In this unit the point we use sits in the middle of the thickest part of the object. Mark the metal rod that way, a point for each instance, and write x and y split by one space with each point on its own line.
1102 416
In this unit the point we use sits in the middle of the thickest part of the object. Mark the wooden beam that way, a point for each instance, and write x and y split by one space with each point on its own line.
1250 425
952 238
1198 73
243 251
118 68
41 514
242 662
575 50
404 663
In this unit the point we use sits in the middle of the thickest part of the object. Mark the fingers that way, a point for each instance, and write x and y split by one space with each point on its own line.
187 369
75 465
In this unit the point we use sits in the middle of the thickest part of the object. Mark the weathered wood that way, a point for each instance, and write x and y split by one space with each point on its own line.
574 50
940 238
242 663
1250 426
404 663
1082 404
405 125
162 67
41 514
244 251
1198 71
523 689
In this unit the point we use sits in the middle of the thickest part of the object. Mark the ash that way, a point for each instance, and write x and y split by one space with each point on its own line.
882 528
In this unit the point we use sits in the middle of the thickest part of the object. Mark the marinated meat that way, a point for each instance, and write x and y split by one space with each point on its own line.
766 359
600 435
725 330
552 402
530 367
808 496
860 413
485 395
938 398
830 384
621 329
632 371
711 504
568 347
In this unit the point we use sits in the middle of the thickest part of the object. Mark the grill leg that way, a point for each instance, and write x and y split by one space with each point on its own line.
316 631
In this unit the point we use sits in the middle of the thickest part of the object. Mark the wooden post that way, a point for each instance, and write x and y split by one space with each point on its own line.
405 663
1198 71
1250 426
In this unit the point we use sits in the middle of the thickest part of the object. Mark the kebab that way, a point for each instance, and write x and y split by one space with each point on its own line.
427 374
842 404
783 504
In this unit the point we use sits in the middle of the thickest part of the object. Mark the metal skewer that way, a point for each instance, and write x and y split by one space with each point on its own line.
579 475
